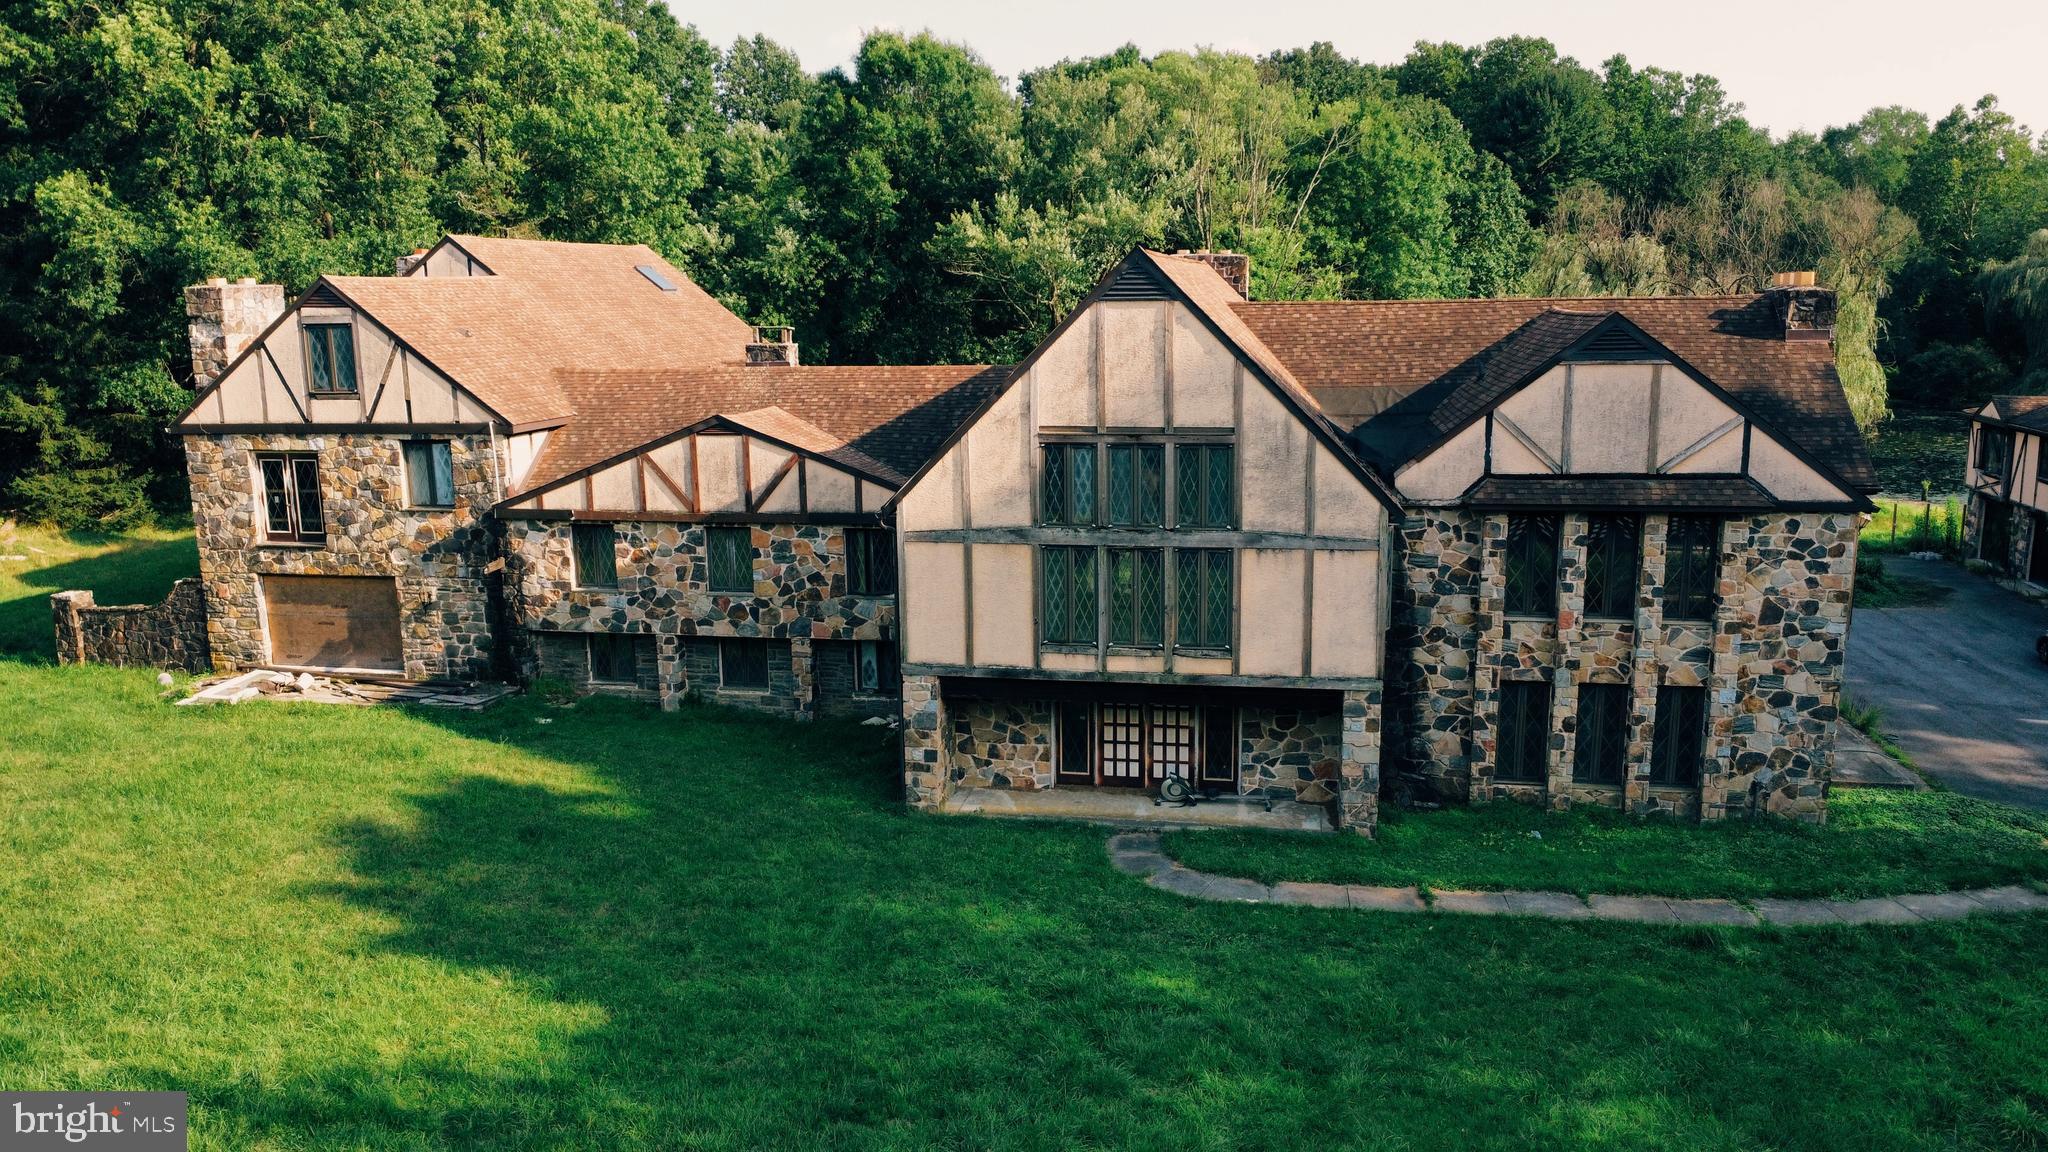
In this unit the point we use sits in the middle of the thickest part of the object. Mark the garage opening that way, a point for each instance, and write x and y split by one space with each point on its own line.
333 623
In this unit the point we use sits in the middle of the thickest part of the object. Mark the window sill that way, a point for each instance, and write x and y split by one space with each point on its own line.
1528 618
1592 619
301 545
1136 650
1204 653
732 691
430 508
333 395
1065 649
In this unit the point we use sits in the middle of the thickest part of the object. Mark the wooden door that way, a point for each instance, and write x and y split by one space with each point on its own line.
333 622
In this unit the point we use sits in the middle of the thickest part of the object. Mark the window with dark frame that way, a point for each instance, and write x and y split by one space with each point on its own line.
1613 558
1994 450
291 497
1067 595
1678 739
1530 565
1205 486
1137 597
1692 567
1601 753
1137 485
1066 485
614 658
430 473
1202 599
330 360
743 665
731 557
874 668
870 562
1522 748
597 555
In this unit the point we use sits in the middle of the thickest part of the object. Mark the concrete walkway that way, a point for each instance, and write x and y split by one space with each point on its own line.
1138 854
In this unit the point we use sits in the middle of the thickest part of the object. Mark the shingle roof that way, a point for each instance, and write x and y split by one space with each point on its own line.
1360 358
1592 491
2029 412
550 306
882 420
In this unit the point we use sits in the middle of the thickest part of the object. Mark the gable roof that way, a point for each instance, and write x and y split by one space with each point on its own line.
1596 492
879 421
1360 359
2028 412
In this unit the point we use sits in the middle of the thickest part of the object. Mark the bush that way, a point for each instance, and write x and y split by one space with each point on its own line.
1951 375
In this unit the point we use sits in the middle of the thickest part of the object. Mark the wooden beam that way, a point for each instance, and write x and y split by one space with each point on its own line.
1501 420
1700 445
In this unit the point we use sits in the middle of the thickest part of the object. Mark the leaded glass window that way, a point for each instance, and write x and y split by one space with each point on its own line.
1137 597
731 558
1205 486
331 358
1137 485
870 562
597 555
1066 484
1202 600
430 473
1523 748
1601 756
1678 740
1067 597
1612 559
1692 563
291 497
1530 565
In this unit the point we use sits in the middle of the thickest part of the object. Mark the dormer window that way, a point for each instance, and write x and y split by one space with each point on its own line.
330 360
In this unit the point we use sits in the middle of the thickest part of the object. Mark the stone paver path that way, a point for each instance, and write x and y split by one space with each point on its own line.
1138 854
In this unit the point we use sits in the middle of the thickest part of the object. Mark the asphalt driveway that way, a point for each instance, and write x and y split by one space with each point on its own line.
1959 685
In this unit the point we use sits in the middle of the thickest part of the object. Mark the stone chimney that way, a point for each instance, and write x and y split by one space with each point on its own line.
225 319
411 260
1234 267
1808 310
773 346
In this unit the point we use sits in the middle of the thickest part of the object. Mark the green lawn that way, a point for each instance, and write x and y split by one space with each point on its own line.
129 568
1876 843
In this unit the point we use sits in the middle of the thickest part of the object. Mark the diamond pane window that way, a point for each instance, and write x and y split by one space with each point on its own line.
1524 740
1205 486
1137 485
1202 601
1602 753
1530 565
870 562
291 498
1612 559
1137 597
732 558
1067 595
597 555
1067 484
331 357
1692 562
1678 740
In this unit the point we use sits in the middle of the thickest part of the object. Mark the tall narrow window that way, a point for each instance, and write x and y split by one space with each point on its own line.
1612 560
1066 484
731 559
1530 565
597 555
1076 742
870 562
1137 597
614 658
874 668
1137 485
331 359
1066 583
1601 756
430 473
1692 567
743 665
1205 486
1679 738
1201 598
1522 749
291 498
1994 450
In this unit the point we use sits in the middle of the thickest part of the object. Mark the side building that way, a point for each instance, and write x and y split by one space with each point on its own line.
2006 522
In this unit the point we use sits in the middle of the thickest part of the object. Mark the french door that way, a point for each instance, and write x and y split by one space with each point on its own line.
1119 745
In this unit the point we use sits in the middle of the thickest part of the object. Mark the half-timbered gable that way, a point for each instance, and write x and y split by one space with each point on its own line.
2006 523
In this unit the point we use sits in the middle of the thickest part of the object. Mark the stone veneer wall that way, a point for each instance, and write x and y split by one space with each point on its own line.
1001 744
436 556
832 664
168 634
2019 532
1771 662
799 596
1290 752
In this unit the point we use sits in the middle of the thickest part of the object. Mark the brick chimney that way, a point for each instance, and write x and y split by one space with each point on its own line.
1807 310
225 319
773 346
411 260
1234 267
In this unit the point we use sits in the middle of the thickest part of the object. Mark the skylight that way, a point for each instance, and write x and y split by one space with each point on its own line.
655 277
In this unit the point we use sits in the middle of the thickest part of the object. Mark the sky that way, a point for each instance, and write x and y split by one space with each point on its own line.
1793 64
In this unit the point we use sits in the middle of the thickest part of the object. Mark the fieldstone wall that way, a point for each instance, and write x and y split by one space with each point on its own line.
436 556
566 656
1979 509
799 597
168 634
926 777
1771 661
1001 744
832 662
1291 753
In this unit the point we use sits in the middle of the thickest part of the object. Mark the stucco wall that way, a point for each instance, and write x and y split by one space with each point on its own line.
393 385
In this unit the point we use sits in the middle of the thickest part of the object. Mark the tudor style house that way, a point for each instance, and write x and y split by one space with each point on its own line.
1571 551
2006 523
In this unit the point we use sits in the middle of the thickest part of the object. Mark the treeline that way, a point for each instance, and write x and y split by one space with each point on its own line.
916 207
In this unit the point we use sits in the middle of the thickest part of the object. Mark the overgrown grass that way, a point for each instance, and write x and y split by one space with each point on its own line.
126 568
1901 526
1876 843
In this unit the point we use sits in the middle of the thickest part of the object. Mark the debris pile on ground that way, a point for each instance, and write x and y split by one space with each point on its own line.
263 682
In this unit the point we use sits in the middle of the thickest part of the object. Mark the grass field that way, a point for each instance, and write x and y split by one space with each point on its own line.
1876 843
130 568
602 927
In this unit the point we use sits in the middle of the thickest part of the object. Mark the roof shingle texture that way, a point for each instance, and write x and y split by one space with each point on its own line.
2024 411
1592 491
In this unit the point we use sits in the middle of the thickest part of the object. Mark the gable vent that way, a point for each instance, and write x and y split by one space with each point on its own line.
1613 343
322 295
1135 282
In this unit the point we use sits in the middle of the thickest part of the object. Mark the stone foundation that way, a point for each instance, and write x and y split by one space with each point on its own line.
925 777
168 634
1001 744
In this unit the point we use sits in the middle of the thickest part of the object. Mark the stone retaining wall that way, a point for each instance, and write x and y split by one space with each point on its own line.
168 634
